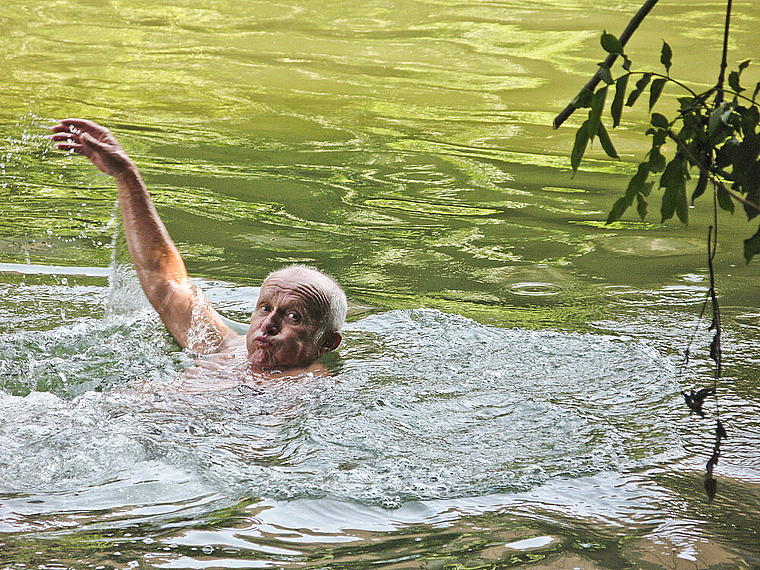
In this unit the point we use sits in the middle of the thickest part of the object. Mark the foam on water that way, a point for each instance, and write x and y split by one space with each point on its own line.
423 405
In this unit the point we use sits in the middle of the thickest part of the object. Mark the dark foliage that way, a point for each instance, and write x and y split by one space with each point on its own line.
695 399
713 135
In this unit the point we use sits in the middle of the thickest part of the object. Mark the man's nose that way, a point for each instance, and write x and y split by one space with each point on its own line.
270 324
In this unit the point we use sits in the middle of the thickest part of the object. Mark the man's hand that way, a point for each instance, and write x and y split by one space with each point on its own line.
93 141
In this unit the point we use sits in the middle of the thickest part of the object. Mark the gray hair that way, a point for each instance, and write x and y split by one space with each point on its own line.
337 304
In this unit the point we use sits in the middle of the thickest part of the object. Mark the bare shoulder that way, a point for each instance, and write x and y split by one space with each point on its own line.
232 340
231 348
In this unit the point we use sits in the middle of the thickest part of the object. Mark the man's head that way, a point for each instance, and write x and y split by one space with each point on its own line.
298 317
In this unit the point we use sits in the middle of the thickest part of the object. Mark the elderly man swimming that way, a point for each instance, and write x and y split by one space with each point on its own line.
299 312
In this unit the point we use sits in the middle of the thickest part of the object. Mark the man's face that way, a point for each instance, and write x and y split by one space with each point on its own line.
284 326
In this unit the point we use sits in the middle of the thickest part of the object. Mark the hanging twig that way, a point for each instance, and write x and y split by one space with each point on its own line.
724 60
624 37
687 352
715 348
716 353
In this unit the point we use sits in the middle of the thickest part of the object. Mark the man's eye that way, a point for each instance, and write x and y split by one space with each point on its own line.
293 316
264 308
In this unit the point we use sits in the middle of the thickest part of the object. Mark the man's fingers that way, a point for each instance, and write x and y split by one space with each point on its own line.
64 137
66 140
77 148
83 125
59 128
88 140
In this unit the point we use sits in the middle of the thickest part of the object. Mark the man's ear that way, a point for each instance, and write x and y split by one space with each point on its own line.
332 341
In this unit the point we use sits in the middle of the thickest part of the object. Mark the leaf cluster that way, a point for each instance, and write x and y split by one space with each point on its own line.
715 135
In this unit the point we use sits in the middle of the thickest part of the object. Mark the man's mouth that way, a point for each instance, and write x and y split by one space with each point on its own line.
262 342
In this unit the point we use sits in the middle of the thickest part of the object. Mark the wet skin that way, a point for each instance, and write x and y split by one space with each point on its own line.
286 334
285 326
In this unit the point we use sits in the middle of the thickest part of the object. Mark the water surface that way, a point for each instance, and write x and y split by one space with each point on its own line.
507 394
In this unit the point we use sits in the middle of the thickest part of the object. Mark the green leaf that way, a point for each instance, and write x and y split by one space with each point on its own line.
656 91
718 118
656 161
579 148
687 103
616 110
682 206
658 137
752 198
641 84
604 138
611 44
729 154
733 77
637 183
724 200
750 120
617 211
666 56
727 113
605 74
733 81
626 63
756 91
595 114
660 121
752 246
641 206
701 186
669 201
673 174
673 179
583 99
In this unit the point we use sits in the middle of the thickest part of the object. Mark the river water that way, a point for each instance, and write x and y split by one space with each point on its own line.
508 389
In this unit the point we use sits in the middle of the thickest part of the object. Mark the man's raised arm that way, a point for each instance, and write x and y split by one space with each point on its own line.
191 321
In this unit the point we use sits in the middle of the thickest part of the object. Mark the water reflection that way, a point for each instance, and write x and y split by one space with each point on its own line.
407 150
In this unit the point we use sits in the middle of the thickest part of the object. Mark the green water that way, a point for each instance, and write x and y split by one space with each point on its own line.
508 391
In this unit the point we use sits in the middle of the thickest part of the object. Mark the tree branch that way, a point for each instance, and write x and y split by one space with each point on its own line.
624 37
724 60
